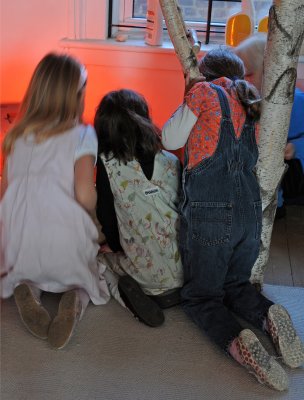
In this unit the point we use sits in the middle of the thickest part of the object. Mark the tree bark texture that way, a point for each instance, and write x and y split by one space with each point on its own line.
285 36
178 35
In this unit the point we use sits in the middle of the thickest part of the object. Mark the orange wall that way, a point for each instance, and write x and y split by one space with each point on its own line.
155 74
163 91
31 28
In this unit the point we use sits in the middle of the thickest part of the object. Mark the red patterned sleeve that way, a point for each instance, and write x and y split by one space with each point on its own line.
200 98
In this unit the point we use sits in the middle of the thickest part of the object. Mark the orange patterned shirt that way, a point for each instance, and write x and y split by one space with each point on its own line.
203 101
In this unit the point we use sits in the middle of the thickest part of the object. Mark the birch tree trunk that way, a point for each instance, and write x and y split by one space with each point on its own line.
285 36
178 35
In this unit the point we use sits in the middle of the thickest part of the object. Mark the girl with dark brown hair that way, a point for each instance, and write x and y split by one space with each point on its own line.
137 196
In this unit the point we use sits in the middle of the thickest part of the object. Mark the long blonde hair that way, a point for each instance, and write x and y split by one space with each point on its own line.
52 102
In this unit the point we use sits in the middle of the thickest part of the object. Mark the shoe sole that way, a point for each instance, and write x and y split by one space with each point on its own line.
258 362
143 308
285 338
167 300
33 315
63 325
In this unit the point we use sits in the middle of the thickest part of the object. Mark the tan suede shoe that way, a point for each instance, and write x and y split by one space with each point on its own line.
34 316
63 325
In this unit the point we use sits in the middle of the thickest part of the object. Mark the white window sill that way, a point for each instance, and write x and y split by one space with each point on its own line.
133 53
133 45
110 52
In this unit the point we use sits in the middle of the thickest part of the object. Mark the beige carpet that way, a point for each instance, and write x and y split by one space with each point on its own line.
114 357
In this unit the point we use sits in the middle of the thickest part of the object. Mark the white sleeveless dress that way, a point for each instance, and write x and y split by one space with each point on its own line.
47 238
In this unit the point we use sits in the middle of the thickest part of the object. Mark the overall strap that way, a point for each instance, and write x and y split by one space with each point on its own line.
223 101
186 156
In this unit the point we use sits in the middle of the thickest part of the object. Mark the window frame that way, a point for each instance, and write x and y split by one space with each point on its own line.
128 9
123 20
91 19
87 19
122 17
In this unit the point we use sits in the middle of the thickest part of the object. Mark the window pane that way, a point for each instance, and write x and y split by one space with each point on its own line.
196 10
140 8
261 9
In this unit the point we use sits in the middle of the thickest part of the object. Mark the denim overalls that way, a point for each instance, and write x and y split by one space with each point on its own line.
221 217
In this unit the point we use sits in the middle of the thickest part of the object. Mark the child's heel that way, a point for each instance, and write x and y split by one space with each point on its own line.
34 316
249 352
142 307
284 336
63 325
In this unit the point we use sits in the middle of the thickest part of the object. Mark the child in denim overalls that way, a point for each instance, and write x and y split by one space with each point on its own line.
221 218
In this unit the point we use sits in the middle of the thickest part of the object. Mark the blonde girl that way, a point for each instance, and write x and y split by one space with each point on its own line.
48 241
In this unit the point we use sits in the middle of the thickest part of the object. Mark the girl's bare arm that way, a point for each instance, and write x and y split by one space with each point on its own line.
3 181
85 192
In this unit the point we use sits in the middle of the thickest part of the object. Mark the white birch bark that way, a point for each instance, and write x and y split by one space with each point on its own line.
178 35
285 36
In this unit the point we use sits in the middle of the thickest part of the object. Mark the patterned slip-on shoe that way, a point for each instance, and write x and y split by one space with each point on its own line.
63 325
141 306
284 336
34 316
258 362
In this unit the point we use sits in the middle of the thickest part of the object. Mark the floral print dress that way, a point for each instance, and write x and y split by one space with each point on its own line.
148 223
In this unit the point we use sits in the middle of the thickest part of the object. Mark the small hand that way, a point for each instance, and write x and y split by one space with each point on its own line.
189 83
289 151
105 248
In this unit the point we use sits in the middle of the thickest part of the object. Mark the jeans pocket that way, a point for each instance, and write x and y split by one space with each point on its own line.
258 219
211 222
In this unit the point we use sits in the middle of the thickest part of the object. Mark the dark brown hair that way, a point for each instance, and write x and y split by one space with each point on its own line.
222 62
124 127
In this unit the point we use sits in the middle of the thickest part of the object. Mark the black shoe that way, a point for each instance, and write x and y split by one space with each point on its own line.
143 308
168 299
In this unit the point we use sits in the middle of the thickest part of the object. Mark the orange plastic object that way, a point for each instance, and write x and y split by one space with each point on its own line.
238 28
263 25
